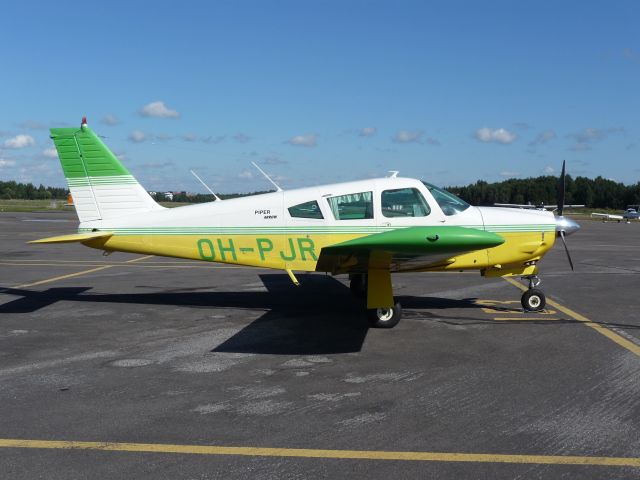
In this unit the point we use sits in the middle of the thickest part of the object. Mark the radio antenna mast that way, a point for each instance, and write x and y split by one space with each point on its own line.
206 186
267 177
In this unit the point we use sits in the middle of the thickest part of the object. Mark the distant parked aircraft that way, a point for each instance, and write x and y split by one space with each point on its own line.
530 206
628 215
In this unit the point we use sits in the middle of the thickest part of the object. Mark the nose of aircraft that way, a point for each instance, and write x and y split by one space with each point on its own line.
566 225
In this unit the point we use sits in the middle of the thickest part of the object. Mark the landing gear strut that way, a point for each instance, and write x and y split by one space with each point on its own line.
533 300
379 317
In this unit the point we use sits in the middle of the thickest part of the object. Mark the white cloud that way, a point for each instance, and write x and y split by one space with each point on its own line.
6 163
590 135
543 137
307 140
245 175
110 120
241 137
137 136
499 135
190 137
158 110
508 174
406 136
213 140
20 141
368 131
549 170
163 137
50 153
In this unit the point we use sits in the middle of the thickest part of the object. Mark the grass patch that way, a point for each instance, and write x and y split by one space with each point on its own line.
33 205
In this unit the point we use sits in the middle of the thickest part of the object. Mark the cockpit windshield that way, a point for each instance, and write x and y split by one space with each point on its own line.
449 203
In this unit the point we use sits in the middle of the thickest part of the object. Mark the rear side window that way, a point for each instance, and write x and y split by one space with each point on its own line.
354 206
306 210
404 202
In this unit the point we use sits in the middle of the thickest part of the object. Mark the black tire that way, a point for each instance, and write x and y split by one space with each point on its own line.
533 300
358 285
385 317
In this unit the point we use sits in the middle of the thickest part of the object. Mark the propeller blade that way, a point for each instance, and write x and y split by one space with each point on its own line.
561 189
566 249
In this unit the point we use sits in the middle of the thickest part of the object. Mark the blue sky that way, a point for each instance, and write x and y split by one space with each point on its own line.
317 92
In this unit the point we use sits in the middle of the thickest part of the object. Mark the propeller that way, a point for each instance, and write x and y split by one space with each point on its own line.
564 226
566 249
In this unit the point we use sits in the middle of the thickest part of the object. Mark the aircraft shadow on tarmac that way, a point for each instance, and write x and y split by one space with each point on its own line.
318 317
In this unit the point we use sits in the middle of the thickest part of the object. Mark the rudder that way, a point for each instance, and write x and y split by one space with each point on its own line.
101 186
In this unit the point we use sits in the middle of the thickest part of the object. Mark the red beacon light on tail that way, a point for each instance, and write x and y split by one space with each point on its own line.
83 123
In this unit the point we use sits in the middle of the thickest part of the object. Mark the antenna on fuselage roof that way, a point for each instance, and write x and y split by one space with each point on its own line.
394 173
206 186
267 176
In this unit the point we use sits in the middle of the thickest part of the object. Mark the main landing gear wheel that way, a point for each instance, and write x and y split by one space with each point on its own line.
533 300
385 317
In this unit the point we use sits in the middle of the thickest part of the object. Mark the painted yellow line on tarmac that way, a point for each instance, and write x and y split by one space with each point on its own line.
82 262
62 277
526 318
601 329
76 274
121 264
323 454
139 259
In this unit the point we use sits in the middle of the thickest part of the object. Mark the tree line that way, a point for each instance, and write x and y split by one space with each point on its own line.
28 191
12 190
183 197
598 192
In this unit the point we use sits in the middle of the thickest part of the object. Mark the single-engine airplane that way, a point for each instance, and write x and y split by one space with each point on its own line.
367 229
537 206
631 213
607 216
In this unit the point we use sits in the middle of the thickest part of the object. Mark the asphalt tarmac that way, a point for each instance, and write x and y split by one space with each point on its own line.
171 369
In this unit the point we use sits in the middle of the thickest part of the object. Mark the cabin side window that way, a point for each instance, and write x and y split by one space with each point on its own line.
449 203
404 202
354 206
306 210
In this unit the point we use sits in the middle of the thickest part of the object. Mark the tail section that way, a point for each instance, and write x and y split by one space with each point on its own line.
101 187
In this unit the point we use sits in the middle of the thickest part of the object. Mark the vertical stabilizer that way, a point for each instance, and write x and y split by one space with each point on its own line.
101 187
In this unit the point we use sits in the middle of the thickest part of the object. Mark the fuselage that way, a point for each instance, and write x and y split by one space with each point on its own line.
288 229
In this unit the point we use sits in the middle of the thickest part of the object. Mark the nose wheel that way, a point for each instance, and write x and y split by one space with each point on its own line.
533 300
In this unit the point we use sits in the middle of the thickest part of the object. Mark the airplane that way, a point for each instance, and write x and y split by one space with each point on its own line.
367 229
538 206
607 216
632 213
629 214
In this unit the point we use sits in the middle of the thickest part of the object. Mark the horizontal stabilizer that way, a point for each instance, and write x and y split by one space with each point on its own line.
75 237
